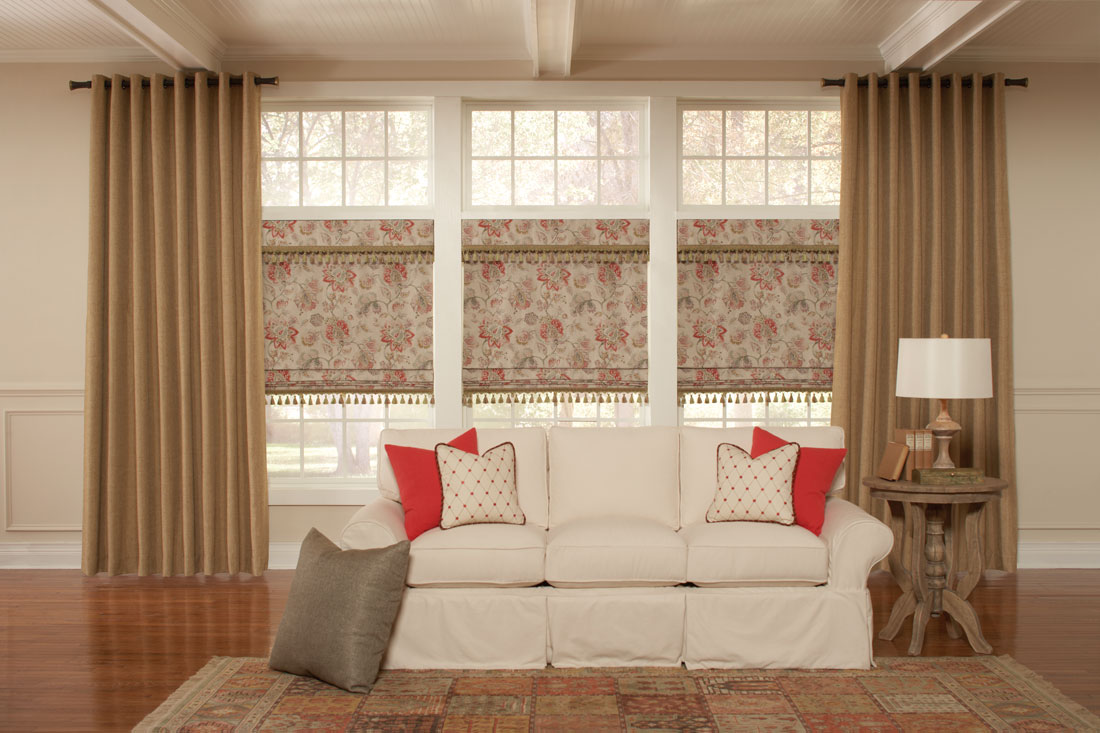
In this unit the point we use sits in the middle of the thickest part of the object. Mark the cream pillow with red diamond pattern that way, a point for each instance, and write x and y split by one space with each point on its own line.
757 489
478 489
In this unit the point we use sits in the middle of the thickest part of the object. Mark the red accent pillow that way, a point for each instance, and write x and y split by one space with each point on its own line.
418 482
812 478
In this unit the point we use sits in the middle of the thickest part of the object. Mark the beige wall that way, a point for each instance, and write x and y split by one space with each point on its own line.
43 273
1054 154
1054 192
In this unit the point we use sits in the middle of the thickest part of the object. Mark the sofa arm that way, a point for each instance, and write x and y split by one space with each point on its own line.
380 523
856 541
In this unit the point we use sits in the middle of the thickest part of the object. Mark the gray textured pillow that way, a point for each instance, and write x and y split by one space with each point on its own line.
340 612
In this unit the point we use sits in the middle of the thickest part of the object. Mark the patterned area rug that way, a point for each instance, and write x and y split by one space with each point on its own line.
933 694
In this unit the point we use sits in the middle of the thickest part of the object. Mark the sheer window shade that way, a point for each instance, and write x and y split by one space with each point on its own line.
555 309
756 307
348 310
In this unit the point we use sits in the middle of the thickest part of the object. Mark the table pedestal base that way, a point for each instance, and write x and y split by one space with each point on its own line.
926 592
961 615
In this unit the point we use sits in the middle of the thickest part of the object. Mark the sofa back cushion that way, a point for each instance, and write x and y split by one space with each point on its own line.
530 445
614 472
699 460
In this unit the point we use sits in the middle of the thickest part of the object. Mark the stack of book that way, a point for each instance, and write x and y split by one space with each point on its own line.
919 443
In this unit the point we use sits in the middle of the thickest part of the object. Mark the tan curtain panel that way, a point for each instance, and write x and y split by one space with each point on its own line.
924 250
756 302
555 309
348 310
174 465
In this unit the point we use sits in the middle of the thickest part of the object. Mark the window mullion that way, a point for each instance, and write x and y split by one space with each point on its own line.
301 442
301 165
725 156
386 157
343 159
809 156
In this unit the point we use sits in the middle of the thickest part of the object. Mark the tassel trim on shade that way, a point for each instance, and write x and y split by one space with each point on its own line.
350 398
694 397
348 255
526 398
756 253
533 253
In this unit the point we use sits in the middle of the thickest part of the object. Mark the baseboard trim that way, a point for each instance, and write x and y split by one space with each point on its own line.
1058 555
66 555
284 555
39 555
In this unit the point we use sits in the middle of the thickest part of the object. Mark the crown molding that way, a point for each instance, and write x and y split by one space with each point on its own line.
738 52
91 55
404 52
1048 54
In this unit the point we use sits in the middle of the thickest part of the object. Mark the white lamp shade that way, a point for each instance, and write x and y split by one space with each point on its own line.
944 368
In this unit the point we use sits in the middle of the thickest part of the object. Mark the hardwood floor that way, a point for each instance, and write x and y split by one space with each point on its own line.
100 653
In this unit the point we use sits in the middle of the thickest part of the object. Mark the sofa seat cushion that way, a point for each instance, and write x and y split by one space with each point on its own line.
754 553
611 552
478 555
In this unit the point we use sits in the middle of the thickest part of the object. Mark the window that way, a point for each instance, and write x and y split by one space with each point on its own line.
307 442
766 409
346 157
732 155
543 156
603 414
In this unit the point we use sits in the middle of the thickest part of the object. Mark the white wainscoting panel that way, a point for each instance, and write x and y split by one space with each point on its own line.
41 459
43 470
41 483
1056 459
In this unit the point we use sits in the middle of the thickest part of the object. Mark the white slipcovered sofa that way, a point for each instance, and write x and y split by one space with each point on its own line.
617 566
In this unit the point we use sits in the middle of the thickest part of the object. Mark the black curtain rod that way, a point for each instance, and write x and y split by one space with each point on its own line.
234 81
926 82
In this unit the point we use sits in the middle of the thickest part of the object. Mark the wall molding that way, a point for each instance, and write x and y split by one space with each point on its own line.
1057 400
284 555
41 389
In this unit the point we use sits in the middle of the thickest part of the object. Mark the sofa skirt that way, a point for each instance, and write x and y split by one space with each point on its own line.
469 628
785 628
528 628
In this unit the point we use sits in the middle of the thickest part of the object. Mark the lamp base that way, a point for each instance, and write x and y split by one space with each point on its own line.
943 430
943 441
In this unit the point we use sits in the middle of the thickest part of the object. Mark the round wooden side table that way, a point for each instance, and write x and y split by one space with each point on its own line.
919 563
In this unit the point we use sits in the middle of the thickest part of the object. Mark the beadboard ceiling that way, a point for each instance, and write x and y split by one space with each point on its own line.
550 35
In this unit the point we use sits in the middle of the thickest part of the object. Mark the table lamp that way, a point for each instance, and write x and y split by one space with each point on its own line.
944 369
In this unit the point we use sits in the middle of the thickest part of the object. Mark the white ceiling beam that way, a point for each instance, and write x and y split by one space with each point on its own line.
168 30
531 33
938 29
552 36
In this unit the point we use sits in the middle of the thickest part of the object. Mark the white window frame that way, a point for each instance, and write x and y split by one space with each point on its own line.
571 211
732 421
743 211
449 150
322 490
425 211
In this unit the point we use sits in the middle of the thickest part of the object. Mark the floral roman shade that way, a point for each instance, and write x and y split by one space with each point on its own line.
555 309
348 310
756 306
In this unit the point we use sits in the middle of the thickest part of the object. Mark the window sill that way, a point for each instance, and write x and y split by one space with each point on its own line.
313 494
